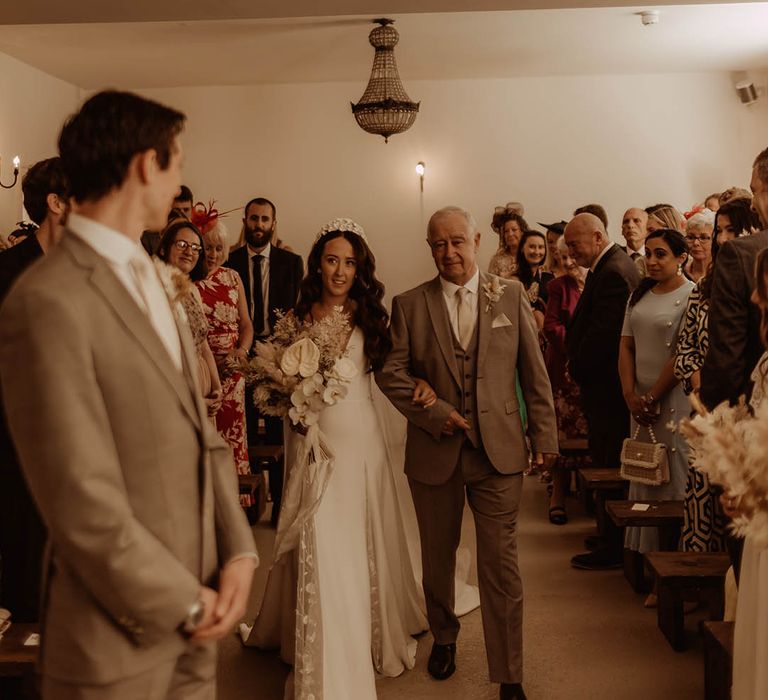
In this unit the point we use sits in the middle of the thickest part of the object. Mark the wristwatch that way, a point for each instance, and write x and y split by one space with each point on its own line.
194 617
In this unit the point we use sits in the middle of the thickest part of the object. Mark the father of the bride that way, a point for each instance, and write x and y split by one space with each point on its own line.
467 333
137 491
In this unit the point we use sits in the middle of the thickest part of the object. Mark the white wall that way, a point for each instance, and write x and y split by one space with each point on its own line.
552 143
33 106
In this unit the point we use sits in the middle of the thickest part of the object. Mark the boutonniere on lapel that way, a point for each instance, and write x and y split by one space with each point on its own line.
493 291
175 283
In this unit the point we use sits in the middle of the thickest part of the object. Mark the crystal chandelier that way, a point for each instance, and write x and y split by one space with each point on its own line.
385 108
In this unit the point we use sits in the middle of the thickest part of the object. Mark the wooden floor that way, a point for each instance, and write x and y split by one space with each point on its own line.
587 635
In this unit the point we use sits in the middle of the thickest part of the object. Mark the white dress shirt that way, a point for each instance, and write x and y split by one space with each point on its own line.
118 250
264 281
451 300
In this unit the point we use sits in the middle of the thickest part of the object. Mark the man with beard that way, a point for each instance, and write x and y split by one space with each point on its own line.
271 277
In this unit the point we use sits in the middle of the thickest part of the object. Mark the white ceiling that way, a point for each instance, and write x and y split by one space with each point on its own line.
433 45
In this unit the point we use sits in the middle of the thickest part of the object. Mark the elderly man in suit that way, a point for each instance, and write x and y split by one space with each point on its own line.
150 558
271 277
466 333
592 342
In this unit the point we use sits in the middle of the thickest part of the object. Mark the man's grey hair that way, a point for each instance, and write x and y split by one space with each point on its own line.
445 211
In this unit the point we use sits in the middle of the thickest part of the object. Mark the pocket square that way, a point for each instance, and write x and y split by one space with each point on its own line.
500 321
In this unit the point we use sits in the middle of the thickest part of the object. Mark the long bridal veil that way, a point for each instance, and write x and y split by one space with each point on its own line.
393 426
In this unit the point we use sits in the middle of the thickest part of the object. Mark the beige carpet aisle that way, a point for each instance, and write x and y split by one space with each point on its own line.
586 634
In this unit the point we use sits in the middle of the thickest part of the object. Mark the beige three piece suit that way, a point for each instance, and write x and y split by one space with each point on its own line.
486 462
137 490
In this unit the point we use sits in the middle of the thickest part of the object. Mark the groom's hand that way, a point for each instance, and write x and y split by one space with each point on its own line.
454 422
234 587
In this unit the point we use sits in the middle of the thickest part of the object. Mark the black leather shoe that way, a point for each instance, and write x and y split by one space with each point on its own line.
593 542
442 661
599 560
511 691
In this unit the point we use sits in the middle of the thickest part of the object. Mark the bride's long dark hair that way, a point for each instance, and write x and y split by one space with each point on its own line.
366 291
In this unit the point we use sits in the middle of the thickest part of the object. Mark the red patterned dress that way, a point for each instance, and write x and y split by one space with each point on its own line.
219 295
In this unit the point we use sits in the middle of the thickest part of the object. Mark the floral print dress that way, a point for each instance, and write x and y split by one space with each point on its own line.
219 294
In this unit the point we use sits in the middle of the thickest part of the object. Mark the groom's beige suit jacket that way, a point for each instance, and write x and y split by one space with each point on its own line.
137 490
423 347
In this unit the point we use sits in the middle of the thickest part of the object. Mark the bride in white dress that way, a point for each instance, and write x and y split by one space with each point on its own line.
364 556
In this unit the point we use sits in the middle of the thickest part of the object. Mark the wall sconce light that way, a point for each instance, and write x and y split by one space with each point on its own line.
420 170
16 163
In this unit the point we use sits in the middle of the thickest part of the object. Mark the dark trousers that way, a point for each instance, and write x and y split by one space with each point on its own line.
494 499
22 542
608 422
273 436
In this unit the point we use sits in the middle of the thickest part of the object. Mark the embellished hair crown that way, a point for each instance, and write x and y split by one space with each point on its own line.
342 224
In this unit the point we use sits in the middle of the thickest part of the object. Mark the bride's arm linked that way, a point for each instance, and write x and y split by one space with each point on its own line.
400 387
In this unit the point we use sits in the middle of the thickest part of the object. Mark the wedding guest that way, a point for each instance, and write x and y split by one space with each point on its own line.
712 202
271 277
564 293
750 680
653 395
698 235
597 210
531 257
183 202
46 198
734 321
734 193
511 228
634 228
733 220
19 234
592 341
181 246
554 234
664 216
230 336
131 480
704 523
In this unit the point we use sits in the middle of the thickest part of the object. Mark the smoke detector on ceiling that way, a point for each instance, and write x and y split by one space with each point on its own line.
649 17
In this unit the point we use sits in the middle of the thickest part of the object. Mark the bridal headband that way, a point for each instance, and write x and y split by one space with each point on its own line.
341 225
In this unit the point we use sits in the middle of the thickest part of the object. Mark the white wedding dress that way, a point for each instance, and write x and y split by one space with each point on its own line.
347 600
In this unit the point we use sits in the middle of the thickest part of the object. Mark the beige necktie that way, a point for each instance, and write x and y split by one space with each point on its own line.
464 319
156 304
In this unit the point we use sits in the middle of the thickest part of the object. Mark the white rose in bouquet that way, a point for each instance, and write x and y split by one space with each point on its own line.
334 392
344 370
302 358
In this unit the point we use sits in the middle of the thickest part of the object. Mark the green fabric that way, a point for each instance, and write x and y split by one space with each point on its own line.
521 401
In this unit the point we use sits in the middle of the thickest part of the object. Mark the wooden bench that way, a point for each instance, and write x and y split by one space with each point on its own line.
574 447
677 572
17 661
667 516
268 458
596 486
718 659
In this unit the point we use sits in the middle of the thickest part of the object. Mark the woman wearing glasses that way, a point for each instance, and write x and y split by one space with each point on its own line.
181 246
698 234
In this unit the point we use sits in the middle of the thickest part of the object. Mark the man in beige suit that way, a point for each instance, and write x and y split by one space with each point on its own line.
150 558
467 333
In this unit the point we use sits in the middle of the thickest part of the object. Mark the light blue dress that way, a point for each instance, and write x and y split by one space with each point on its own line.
654 323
